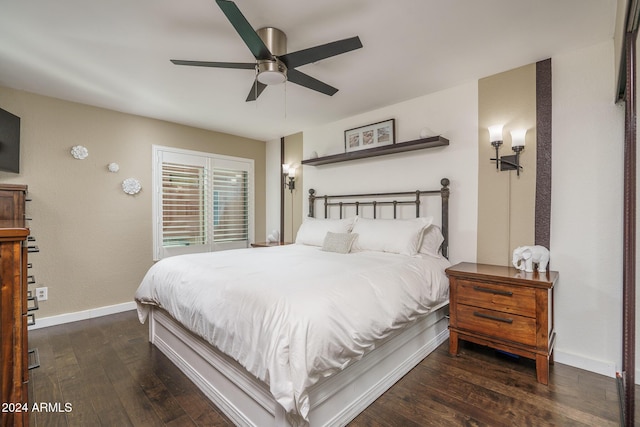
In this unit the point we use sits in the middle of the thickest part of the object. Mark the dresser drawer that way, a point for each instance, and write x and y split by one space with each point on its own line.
497 324
509 299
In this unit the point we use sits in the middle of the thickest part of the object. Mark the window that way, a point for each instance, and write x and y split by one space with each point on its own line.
202 202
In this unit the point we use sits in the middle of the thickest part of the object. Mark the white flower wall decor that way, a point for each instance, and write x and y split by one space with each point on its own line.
113 167
79 152
131 186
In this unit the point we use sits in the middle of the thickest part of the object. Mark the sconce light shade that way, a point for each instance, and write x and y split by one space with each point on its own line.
506 163
289 173
495 133
518 137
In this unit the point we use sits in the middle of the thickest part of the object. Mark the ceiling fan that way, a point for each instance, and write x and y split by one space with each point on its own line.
273 64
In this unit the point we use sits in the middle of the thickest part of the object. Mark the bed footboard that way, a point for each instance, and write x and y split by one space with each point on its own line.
334 401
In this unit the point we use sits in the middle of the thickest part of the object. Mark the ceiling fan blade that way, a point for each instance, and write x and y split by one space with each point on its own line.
256 90
313 54
302 79
242 65
244 29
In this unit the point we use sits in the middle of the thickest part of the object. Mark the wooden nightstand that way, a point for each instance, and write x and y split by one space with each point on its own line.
503 308
268 244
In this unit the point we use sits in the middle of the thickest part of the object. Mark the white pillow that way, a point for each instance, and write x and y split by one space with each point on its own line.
432 239
313 230
400 236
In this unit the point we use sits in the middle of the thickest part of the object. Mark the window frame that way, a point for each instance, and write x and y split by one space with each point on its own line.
209 161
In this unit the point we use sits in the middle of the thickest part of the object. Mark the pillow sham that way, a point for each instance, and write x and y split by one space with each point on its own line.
338 242
432 239
313 230
400 236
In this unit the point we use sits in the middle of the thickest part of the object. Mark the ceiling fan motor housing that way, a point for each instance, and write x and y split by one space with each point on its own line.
272 72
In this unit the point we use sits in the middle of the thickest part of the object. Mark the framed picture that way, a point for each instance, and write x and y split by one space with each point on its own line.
370 136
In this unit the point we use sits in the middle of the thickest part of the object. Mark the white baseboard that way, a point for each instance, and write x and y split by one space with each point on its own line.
60 319
592 365
607 369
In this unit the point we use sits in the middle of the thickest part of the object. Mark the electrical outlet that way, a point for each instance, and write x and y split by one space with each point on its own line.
42 293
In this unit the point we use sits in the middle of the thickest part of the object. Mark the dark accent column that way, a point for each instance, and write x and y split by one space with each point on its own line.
444 194
543 150
629 232
281 190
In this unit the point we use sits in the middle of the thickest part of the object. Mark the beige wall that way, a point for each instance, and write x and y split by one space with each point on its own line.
96 241
293 200
506 202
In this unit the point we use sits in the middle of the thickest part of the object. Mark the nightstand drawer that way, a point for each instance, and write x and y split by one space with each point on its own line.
492 323
509 299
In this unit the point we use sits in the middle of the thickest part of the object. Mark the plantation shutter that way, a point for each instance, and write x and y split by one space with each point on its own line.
230 205
230 208
183 205
202 202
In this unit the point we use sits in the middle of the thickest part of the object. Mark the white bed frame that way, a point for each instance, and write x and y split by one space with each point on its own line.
333 402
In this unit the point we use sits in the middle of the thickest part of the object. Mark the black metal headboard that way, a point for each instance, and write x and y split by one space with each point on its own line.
393 199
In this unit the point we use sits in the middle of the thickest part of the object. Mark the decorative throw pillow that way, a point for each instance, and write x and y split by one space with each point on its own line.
312 231
338 242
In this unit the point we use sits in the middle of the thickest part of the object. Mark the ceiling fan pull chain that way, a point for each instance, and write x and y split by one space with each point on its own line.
255 87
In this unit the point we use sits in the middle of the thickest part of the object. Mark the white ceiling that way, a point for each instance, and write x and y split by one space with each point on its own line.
115 54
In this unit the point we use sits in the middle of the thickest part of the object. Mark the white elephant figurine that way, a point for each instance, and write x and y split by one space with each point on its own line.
525 256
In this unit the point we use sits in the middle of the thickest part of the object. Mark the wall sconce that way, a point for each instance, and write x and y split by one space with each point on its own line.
507 163
289 173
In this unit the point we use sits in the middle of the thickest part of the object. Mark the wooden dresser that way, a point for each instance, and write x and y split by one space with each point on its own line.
13 307
503 308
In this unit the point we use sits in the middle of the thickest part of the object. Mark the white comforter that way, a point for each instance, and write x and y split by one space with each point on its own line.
294 314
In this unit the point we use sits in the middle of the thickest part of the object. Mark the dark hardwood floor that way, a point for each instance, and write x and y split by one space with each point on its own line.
107 374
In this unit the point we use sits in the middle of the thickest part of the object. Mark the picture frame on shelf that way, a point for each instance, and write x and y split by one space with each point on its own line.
370 136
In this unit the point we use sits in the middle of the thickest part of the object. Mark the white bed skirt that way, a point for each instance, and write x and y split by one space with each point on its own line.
333 402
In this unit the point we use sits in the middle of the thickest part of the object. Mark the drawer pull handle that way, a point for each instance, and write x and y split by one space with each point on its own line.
488 316
493 291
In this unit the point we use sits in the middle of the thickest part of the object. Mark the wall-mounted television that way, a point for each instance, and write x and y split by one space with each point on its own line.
9 142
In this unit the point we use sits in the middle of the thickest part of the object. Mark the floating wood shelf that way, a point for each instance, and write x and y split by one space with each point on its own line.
401 147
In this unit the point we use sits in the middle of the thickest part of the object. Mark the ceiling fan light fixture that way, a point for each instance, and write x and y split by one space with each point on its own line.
271 72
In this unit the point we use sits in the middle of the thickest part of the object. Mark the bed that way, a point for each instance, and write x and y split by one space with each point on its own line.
309 333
